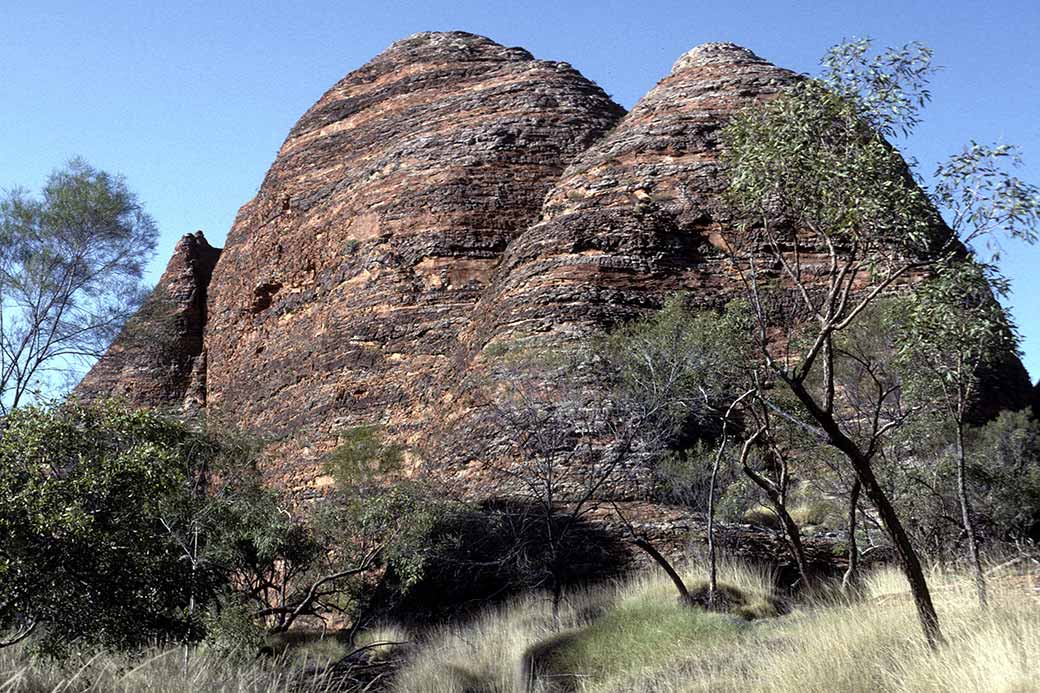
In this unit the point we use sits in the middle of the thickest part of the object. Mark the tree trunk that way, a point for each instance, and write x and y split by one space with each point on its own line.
967 519
713 558
713 561
908 558
850 582
557 598
680 586
794 542
792 535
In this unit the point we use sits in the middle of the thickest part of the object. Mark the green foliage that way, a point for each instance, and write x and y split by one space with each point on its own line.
1005 472
397 522
979 195
677 366
814 157
234 632
71 262
402 521
119 528
890 88
1002 476
362 455
953 329
685 475
83 553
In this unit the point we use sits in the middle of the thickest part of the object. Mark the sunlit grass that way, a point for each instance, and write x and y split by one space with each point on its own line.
635 625
161 671
634 637
875 645
637 637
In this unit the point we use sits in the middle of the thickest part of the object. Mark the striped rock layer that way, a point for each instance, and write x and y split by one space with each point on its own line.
451 200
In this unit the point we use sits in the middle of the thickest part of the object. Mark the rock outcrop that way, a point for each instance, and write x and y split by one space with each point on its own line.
345 281
450 201
159 359
635 217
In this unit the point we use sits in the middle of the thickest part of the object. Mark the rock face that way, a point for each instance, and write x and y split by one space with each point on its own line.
635 217
346 280
450 200
159 360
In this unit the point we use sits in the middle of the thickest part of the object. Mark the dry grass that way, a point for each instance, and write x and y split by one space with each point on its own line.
487 654
161 672
805 513
304 662
602 633
874 646
762 515
635 637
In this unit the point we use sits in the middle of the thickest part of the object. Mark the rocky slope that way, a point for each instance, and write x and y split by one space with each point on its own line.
346 280
449 202
159 359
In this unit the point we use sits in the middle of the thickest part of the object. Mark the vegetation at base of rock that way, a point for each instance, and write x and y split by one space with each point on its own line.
634 638
820 646
123 527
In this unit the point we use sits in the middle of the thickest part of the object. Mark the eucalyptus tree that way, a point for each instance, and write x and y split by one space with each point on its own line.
71 263
830 220
956 329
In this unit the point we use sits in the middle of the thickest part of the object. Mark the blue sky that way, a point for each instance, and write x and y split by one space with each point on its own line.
191 100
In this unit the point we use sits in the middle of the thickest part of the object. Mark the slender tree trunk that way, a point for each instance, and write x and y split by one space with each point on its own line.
966 517
908 558
191 592
792 535
794 541
557 597
850 582
713 557
713 561
554 571
680 586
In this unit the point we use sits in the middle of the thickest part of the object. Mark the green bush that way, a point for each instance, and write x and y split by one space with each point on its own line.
85 557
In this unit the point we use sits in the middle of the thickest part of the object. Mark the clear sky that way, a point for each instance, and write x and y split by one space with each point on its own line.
191 100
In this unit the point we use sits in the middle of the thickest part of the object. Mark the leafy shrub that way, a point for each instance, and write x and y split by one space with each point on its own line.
85 557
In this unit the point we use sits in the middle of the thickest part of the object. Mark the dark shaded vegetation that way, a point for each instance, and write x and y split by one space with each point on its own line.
492 552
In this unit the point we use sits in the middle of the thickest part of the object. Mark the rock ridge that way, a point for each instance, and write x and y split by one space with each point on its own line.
159 358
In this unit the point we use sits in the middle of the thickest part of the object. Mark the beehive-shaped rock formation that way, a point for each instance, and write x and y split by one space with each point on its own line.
635 217
447 199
